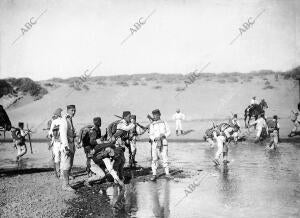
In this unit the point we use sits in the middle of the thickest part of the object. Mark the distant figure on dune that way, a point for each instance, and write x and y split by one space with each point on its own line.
178 117
296 121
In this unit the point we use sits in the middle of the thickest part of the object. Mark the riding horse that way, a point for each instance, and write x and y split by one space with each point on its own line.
254 111
5 124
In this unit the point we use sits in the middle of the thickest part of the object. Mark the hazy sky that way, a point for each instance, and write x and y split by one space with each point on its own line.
180 36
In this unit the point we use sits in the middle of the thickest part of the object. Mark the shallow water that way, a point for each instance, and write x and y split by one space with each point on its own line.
256 183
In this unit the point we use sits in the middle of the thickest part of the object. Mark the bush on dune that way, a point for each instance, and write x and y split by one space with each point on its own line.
5 88
222 81
27 85
157 87
122 83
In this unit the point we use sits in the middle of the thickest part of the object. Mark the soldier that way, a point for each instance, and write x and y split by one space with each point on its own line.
120 136
159 131
99 154
133 134
261 127
68 135
18 135
178 117
221 139
296 121
55 143
273 127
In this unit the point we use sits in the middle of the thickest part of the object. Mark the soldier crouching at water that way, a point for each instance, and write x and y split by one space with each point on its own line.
120 137
100 154
158 132
18 135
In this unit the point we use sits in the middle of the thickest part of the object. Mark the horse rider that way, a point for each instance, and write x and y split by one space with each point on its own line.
253 102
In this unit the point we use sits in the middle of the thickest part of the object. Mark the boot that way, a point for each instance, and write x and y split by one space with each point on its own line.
153 178
182 132
66 186
177 132
57 170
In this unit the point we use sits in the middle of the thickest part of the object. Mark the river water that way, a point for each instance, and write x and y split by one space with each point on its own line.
256 183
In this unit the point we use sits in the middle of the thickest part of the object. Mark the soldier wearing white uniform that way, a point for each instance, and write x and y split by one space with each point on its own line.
178 116
253 101
159 131
296 121
222 147
261 126
67 136
55 140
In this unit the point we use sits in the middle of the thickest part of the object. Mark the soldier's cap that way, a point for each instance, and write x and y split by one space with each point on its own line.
275 117
178 110
97 121
254 97
156 111
71 106
20 124
57 112
133 117
234 115
126 113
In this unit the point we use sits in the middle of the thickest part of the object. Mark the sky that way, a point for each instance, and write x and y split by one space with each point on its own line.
69 38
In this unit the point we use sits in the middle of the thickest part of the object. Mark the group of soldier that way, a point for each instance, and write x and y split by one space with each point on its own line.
224 133
105 153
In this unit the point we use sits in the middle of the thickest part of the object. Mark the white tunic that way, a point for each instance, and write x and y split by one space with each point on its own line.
157 128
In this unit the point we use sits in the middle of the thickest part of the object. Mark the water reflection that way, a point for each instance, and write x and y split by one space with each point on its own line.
160 196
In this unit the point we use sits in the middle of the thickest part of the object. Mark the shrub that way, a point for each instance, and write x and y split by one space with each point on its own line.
27 85
157 87
221 81
143 84
233 80
180 89
269 87
5 88
101 83
135 83
122 83
49 84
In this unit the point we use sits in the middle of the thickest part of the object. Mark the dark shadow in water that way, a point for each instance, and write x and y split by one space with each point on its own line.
124 201
188 131
160 208
228 184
